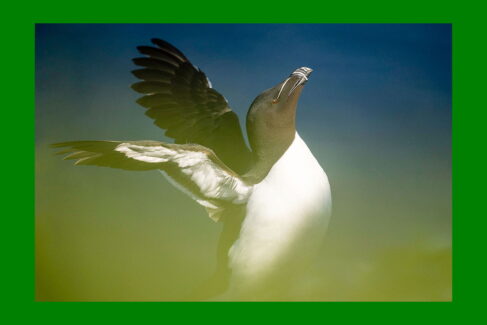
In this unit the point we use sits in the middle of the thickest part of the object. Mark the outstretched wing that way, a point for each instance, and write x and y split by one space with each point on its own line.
194 169
180 99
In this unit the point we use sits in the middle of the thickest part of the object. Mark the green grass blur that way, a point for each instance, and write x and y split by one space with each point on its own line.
111 235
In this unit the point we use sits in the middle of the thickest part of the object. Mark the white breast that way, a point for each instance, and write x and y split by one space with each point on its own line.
287 216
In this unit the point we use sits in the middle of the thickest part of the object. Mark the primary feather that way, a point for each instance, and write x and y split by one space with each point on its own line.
181 100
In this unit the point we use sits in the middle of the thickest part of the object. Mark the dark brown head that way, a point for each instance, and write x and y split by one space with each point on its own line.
271 121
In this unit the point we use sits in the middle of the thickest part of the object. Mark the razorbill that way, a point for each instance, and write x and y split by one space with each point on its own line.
273 199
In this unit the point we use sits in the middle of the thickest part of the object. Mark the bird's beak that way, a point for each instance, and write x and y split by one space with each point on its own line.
301 76
291 84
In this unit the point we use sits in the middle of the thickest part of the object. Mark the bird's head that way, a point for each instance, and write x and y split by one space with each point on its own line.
272 115
271 119
288 91
282 97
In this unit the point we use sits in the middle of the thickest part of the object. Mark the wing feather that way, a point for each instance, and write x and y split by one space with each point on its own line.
180 99
191 167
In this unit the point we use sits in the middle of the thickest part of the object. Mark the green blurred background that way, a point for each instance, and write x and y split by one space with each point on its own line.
376 113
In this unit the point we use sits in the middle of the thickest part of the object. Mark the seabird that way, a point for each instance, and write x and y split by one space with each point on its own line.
273 198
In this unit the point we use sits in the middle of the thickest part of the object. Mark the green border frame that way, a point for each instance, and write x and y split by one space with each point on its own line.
469 53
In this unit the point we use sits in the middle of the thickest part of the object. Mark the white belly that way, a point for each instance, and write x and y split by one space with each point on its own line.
287 216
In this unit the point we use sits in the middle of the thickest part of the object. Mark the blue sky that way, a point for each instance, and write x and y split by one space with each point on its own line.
384 71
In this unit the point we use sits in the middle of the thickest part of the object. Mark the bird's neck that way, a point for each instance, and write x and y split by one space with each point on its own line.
266 155
271 130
